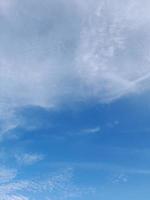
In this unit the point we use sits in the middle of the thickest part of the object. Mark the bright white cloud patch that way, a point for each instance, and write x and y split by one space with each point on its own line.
50 55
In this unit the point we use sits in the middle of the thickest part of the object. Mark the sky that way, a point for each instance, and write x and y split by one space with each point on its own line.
74 99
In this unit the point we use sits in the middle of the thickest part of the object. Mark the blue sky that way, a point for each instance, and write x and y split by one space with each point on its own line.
74 100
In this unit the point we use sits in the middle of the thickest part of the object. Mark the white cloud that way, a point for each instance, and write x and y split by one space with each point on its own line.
56 187
93 130
58 52
121 178
112 55
29 159
7 175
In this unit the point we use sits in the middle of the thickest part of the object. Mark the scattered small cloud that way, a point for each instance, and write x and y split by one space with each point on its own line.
57 187
94 130
29 159
121 178
112 124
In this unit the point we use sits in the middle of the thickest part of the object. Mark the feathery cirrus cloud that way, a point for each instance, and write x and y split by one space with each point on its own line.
50 55
58 186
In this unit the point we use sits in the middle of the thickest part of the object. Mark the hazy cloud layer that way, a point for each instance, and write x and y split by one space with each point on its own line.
60 51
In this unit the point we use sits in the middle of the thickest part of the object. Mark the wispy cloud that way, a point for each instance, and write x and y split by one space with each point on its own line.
87 50
121 178
6 175
56 187
104 167
108 39
92 130
29 159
